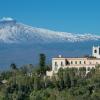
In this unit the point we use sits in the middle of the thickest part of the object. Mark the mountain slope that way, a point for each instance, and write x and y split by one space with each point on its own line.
12 31
22 44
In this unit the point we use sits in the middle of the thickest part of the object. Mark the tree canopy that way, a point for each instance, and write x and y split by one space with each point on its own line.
25 83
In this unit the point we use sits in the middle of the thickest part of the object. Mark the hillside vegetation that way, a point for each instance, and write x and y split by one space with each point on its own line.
30 83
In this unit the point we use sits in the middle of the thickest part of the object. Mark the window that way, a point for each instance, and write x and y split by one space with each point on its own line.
88 69
71 62
56 66
84 62
75 62
61 63
95 51
80 62
67 62
55 63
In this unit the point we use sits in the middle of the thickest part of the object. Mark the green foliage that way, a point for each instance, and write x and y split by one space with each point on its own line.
42 64
13 66
26 83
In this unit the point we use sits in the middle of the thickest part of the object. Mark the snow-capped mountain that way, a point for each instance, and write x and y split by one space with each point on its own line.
22 44
12 31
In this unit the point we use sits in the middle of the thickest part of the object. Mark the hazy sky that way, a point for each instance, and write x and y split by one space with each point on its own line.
78 16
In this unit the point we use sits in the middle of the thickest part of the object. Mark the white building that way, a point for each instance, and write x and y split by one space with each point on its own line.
96 52
88 62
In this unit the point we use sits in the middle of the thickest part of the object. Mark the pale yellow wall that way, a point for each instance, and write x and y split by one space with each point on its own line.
49 73
58 63
88 63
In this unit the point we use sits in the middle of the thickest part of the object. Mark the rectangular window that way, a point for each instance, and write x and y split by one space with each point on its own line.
71 62
75 62
80 62
67 62
56 66
61 63
90 63
55 63
84 62
88 69
95 51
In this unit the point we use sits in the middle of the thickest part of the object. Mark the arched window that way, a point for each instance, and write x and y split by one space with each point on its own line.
95 51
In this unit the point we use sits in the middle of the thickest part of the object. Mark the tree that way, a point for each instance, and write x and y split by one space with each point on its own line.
73 76
82 72
37 84
13 66
61 79
42 64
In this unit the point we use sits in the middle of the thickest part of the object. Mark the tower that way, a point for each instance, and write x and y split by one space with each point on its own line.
96 51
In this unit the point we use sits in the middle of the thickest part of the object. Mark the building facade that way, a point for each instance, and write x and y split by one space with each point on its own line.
63 62
96 51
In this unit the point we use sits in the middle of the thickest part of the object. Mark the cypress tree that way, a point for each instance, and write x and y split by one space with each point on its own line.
42 64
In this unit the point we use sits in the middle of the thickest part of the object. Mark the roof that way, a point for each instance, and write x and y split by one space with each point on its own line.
89 58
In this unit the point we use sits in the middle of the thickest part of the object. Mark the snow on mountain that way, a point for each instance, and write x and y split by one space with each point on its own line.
7 19
12 31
